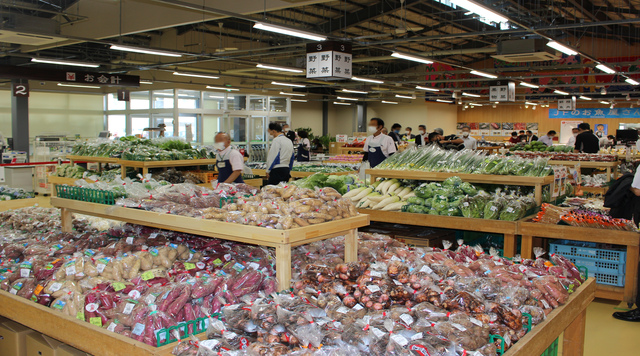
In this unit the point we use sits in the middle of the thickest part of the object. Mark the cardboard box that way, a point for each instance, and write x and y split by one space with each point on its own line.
66 350
13 338
42 345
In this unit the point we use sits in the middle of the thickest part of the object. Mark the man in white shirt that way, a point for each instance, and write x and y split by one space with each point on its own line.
378 146
229 161
572 139
280 157
548 138
470 143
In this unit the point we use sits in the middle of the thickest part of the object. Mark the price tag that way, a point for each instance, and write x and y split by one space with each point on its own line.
343 310
395 258
130 240
230 335
200 265
13 291
376 274
254 265
465 204
134 294
112 327
55 287
153 236
227 257
546 305
458 326
96 321
217 262
128 308
373 288
417 336
80 315
38 290
150 299
377 332
100 267
475 321
118 286
509 210
91 307
71 270
189 266
357 307
399 339
426 269
408 319
493 208
138 329
210 344
147 276
24 273
397 282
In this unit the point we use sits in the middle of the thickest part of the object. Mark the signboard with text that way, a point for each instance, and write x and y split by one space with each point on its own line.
596 113
69 76
329 60
21 89
502 91
567 104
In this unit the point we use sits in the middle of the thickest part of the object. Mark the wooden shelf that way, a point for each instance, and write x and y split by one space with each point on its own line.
163 164
585 164
282 240
259 172
74 158
345 150
594 190
296 174
17 203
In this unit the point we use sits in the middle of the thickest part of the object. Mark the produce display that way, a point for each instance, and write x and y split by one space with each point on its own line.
582 217
135 149
435 159
596 180
568 156
8 193
342 184
78 172
538 146
325 168
452 197
354 158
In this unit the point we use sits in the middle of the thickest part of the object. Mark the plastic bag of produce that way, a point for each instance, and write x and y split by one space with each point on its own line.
492 208
514 210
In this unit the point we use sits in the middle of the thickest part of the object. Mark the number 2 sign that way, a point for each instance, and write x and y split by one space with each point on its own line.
21 89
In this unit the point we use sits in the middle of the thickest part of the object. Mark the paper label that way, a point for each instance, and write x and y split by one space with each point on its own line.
59 304
150 299
546 305
417 336
426 269
475 321
420 350
399 339
118 286
38 289
377 332
230 335
128 308
100 267
458 326
147 276
209 344
71 270
465 204
357 307
134 294
232 307
509 210
200 265
13 291
96 321
254 265
189 266
493 208
375 274
373 288
217 262
138 329
397 283
408 319
80 315
130 240
343 310
91 307
55 287
112 327
395 258
153 236
227 257
24 273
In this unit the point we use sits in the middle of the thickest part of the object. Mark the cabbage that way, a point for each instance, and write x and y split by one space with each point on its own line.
440 202
468 188
415 201
452 181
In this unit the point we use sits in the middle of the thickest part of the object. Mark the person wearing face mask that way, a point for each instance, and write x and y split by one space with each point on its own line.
378 145
395 133
572 139
304 147
280 157
422 139
469 142
287 132
407 134
229 161
548 138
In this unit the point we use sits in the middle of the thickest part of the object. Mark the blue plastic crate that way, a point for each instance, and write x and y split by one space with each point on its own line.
598 266
610 279
590 252
608 266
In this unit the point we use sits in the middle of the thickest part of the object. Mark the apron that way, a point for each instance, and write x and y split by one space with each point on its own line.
376 156
303 153
225 170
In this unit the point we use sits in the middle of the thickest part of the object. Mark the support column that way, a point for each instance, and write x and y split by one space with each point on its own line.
20 121
325 115
361 117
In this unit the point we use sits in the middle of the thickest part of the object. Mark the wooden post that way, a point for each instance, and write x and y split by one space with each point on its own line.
573 340
526 250
123 170
538 194
373 178
608 174
283 266
66 220
351 246
510 245
145 170
631 275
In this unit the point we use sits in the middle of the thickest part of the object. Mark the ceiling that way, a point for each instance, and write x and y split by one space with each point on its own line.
223 41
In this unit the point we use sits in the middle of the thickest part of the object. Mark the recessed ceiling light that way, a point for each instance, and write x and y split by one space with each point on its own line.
525 84
360 79
291 94
483 74
279 68
354 91
196 75
344 98
427 88
65 62
145 51
289 84
562 48
222 88
289 31
389 102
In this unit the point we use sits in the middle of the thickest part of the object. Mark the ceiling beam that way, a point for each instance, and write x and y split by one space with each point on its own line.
363 15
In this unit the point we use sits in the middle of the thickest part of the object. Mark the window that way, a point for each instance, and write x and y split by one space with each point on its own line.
163 99
188 99
258 103
213 101
236 102
188 128
139 100
117 125
138 124
114 104
278 104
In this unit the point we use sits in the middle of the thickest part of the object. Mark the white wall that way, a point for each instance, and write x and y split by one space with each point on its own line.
57 113
307 114
417 112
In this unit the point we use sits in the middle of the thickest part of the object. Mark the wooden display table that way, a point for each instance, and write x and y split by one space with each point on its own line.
490 149
630 239
608 166
569 318
345 150
594 190
282 240
536 182
259 172
17 203
54 181
145 165
297 174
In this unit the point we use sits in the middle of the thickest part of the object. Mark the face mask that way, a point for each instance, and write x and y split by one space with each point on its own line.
219 146
421 132
396 131
286 130
372 129
407 132
575 134
465 134
271 136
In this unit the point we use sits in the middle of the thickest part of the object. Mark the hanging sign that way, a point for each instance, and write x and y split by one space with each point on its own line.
124 95
501 90
567 104
69 76
596 113
329 60
21 89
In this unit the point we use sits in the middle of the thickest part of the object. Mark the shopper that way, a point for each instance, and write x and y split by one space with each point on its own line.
378 145
434 139
304 147
469 142
407 134
572 139
451 142
586 141
612 141
395 132
522 136
531 137
229 161
548 138
422 138
288 133
280 157
3 143
514 138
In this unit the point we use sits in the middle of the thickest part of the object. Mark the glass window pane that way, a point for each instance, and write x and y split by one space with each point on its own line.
188 99
257 129
188 127
117 125
163 99
236 102
258 103
139 100
278 104
114 104
211 124
238 130
166 119
213 101
138 124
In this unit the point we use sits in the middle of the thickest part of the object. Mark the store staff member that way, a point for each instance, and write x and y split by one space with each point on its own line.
422 139
586 141
229 161
304 147
290 134
378 146
572 139
469 142
280 157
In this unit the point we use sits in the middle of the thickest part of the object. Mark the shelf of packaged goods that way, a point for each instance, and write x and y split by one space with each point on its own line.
297 174
536 182
17 203
610 167
530 230
281 240
145 165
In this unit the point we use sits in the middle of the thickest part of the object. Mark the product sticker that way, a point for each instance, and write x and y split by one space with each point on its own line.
13 291
96 321
366 319
465 204
217 262
100 267
399 339
134 294
475 321
498 263
420 350
493 208
458 326
232 307
227 257
154 252
417 336
91 307
71 270
397 283
89 253
357 307
118 286
200 265
189 266
522 268
80 315
373 288
426 269
509 209
138 329
150 299
24 273
395 258
546 305
153 236
209 344
230 335
238 267
343 310
130 240
254 265
128 308
38 289
147 276
408 319
153 307
377 332
112 327
55 287
59 304
376 274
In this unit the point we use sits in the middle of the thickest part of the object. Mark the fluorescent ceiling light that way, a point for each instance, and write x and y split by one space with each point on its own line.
604 102
427 88
483 74
561 92
354 91
78 86
411 57
359 79
404 96
289 31
562 48
471 95
344 98
631 81
222 88
530 103
474 104
148 82
529 85
444 101
605 69
299 100
482 11
339 103
289 84
291 94
195 75
389 102
64 62
585 97
278 68
145 51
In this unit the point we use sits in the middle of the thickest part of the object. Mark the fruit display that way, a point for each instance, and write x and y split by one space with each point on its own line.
8 193
349 159
435 159
570 156
582 217
537 146
325 168
136 149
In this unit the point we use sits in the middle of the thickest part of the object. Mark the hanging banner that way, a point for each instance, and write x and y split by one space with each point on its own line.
596 113
69 76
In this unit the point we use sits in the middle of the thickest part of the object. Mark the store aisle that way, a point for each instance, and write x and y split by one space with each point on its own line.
608 336
43 201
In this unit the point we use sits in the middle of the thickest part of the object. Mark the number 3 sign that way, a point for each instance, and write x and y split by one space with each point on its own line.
21 89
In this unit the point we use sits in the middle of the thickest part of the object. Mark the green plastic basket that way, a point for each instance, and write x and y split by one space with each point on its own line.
552 350
166 336
86 194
